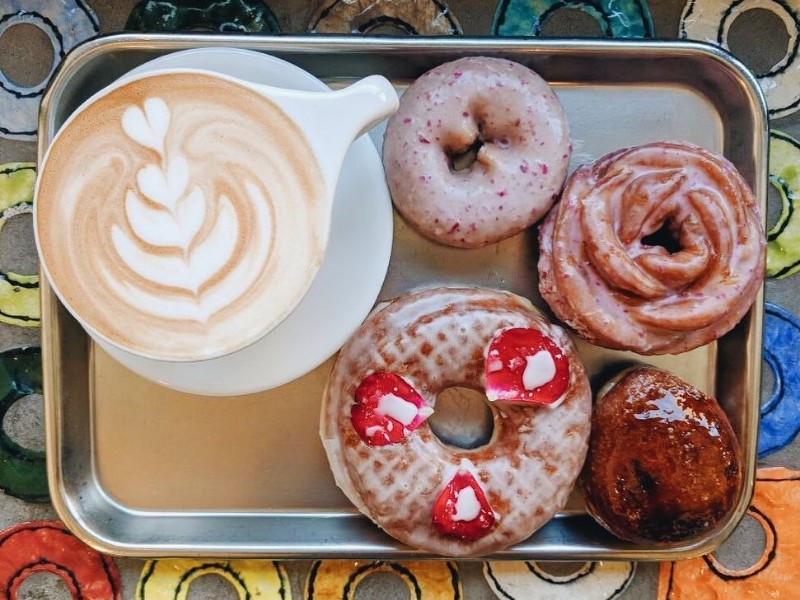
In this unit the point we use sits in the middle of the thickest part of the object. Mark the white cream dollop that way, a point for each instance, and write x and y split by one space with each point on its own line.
539 370
467 505
397 408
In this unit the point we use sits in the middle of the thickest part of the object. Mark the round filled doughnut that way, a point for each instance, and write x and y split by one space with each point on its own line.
657 249
171 579
48 547
616 18
663 463
783 239
66 23
414 17
430 495
496 111
521 580
242 16
19 294
22 470
711 20
425 580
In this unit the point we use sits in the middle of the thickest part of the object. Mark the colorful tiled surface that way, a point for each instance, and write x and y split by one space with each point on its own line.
756 562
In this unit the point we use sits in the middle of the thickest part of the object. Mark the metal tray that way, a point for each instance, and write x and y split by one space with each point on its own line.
136 469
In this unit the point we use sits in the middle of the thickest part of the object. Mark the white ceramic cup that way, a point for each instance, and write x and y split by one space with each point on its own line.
329 122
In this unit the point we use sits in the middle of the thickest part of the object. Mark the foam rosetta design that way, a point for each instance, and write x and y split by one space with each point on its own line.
167 212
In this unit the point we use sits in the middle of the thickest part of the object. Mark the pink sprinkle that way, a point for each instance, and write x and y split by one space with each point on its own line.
454 228
524 167
424 140
501 193
407 120
545 169
517 122
465 114
457 74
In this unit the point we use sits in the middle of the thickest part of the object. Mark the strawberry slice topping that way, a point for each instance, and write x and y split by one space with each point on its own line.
525 365
387 409
461 510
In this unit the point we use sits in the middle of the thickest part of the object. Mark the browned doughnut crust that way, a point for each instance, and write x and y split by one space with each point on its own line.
437 339
663 462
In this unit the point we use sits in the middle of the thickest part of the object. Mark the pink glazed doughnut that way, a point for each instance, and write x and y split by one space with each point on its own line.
509 117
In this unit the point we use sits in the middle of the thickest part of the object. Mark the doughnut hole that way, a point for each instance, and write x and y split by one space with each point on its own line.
26 54
462 418
767 27
463 159
571 22
24 422
774 203
745 547
17 247
562 570
667 236
382 585
43 586
385 25
211 587
462 148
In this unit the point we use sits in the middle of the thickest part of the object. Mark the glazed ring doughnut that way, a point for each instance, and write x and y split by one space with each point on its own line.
47 546
783 240
170 579
657 249
711 20
425 580
520 580
509 117
414 17
430 495
66 23
616 18
243 16
19 294
22 471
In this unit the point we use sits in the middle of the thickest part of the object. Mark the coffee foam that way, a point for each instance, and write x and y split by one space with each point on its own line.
181 215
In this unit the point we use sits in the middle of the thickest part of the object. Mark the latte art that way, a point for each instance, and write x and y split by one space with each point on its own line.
181 215
163 212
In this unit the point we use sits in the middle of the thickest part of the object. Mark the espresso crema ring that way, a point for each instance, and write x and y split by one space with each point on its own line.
520 580
425 580
243 16
171 579
711 20
414 17
66 23
616 18
783 239
19 294
48 547
501 111
22 470
657 249
425 493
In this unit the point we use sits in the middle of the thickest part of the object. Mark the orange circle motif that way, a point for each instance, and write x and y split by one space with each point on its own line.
774 509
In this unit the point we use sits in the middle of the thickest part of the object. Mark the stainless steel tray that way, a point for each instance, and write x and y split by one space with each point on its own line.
136 469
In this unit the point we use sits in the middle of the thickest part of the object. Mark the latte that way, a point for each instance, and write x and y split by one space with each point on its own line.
181 215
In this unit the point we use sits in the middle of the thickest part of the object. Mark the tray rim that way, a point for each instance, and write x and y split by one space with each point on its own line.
50 331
